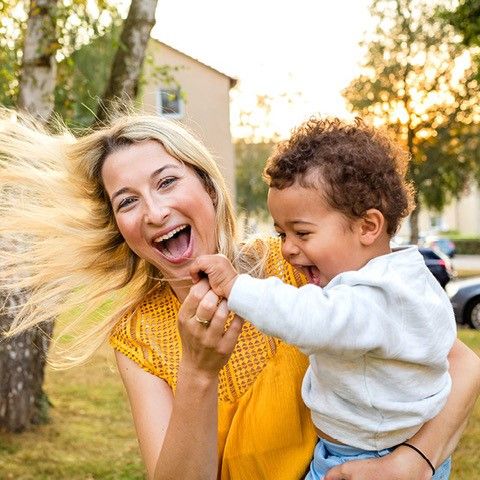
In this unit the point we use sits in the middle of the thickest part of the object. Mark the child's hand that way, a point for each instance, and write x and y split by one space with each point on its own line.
220 272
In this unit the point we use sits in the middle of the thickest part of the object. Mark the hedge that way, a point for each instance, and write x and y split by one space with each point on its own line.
467 246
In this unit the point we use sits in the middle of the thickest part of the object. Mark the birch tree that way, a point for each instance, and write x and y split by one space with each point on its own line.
38 77
22 358
124 78
31 76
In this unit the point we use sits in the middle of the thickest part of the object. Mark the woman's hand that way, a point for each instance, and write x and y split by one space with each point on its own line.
207 343
401 464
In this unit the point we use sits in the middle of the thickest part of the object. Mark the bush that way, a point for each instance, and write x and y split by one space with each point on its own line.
467 246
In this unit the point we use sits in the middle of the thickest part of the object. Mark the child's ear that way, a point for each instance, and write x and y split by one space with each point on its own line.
372 225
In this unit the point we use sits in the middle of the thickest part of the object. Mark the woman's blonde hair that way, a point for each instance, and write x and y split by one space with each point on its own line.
62 242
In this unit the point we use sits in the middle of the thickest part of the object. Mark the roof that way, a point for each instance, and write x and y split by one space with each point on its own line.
233 81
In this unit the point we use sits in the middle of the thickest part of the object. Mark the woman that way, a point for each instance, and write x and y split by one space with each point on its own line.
118 215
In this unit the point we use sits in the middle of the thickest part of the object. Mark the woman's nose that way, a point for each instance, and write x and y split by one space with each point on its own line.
155 213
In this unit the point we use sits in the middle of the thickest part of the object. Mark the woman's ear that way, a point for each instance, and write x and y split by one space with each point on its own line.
372 225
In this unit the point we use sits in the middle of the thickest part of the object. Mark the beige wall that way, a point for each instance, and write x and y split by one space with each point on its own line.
462 215
207 102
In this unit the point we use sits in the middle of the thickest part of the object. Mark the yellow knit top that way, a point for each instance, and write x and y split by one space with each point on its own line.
264 429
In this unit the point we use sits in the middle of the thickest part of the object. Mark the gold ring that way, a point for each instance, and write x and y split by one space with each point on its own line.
205 323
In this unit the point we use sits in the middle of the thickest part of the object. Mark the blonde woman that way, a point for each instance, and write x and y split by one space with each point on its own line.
118 215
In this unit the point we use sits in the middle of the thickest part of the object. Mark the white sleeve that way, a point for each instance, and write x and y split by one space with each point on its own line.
341 319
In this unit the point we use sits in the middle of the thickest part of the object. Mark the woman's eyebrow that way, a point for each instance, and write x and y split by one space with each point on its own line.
161 169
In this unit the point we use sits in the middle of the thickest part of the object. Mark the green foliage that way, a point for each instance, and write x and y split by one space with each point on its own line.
466 20
251 189
411 84
81 73
467 246
83 76
12 29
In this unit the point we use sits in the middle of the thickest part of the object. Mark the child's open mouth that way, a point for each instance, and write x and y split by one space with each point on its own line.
175 245
313 274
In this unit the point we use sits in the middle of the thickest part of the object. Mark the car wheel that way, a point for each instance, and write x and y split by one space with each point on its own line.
473 313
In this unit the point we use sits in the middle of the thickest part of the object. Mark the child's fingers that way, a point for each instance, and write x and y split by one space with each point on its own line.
197 269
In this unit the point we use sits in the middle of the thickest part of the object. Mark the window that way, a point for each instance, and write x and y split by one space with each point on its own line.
170 103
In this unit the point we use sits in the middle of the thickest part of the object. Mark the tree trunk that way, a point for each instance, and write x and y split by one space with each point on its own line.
123 84
22 358
23 402
38 77
414 232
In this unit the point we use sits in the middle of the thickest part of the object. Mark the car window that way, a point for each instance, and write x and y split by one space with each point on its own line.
430 254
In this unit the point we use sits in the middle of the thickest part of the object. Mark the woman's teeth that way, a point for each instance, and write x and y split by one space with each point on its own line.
170 234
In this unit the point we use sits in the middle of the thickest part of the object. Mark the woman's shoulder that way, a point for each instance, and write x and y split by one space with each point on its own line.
146 330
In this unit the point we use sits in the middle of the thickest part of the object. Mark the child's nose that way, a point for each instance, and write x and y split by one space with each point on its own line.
289 249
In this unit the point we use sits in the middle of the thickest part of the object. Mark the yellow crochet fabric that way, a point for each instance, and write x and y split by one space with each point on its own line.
265 430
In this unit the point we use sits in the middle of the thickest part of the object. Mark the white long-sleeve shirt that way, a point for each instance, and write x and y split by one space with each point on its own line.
377 341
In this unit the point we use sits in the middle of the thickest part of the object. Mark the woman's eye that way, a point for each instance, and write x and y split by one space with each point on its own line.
302 234
165 182
281 235
125 203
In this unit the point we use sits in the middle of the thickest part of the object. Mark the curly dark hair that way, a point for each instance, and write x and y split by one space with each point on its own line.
359 167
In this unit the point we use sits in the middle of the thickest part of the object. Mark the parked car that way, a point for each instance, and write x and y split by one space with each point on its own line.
439 264
445 245
465 298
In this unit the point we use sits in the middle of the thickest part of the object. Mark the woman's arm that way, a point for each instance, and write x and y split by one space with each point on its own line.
178 433
437 438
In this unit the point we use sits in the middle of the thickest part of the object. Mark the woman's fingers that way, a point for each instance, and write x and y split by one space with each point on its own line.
207 343
194 297
230 337
208 306
219 318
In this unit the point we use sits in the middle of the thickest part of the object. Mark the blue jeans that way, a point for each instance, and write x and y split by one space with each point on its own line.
328 455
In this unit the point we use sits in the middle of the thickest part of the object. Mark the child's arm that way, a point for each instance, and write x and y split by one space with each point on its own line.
221 273
310 317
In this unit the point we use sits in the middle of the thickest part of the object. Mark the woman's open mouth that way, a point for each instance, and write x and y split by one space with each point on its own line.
176 245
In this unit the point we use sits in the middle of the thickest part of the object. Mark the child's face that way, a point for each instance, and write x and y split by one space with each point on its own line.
316 239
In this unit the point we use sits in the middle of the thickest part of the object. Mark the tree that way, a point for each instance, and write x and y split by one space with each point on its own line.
55 30
22 358
38 74
257 135
11 39
250 186
466 20
417 82
77 26
122 87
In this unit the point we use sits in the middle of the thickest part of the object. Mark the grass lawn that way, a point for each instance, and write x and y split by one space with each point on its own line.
91 437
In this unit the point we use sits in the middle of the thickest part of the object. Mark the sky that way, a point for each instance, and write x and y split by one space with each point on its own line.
307 49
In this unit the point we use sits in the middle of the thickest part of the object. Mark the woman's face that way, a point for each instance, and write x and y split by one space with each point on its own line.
161 207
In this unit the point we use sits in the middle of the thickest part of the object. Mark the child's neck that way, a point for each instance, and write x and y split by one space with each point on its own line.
380 247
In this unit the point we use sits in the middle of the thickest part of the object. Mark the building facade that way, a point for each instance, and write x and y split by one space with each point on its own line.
198 96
